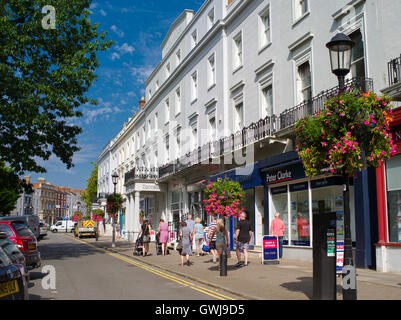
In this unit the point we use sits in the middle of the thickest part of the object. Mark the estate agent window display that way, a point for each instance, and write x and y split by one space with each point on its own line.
296 204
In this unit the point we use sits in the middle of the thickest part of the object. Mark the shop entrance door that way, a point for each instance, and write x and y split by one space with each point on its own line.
324 256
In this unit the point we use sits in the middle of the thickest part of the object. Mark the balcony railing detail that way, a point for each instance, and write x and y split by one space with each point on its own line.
256 131
394 71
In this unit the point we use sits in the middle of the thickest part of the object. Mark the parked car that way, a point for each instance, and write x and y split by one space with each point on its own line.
18 260
26 242
30 220
63 226
43 230
10 278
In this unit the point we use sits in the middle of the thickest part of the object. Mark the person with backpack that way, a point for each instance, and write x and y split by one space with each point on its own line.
221 239
145 236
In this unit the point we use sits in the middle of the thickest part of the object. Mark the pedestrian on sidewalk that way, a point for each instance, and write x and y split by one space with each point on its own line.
163 235
190 225
212 240
277 229
186 238
198 235
243 235
145 236
221 239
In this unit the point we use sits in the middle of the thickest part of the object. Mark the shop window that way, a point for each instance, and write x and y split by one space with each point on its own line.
300 226
279 202
393 182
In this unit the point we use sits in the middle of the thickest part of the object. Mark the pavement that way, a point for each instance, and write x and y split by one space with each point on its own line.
289 280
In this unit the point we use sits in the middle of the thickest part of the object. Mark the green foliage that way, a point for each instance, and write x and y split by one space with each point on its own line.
114 203
224 198
350 134
11 187
90 194
98 213
45 75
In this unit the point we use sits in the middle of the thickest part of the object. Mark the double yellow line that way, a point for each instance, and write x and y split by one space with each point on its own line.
180 281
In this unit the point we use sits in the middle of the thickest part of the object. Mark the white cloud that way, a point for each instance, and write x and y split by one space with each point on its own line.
125 48
115 56
141 73
102 12
117 31
131 94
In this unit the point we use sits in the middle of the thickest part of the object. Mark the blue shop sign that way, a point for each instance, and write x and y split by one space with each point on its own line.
247 176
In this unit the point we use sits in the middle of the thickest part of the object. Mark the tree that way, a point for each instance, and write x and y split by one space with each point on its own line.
224 198
45 74
90 194
10 189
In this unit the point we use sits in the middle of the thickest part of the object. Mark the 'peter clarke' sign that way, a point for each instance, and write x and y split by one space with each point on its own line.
291 172
279 176
270 250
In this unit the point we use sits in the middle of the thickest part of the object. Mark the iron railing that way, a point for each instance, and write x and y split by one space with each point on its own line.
257 131
290 116
394 71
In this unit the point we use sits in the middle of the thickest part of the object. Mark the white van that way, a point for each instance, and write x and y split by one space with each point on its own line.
63 226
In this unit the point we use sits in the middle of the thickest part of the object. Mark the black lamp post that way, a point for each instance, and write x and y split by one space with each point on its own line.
340 48
114 179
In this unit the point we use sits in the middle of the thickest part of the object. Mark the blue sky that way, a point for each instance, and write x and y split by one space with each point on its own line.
138 29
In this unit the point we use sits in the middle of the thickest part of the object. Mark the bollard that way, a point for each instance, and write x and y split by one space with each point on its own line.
223 263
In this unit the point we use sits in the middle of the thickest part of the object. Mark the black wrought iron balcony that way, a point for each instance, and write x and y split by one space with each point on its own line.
142 173
290 116
394 71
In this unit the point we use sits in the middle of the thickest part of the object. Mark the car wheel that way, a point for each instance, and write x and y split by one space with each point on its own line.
55 230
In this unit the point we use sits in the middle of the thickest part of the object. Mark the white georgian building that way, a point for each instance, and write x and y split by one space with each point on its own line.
233 79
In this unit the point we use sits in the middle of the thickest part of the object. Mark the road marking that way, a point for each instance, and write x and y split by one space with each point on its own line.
182 282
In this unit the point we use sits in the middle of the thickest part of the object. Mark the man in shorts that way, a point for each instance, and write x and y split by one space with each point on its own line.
242 237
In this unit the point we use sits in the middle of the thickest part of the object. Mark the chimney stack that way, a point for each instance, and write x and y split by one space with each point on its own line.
142 103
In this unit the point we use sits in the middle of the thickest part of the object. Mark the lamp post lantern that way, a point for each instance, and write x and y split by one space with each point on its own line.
114 179
340 49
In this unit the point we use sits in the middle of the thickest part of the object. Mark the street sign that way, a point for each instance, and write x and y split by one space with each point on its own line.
270 250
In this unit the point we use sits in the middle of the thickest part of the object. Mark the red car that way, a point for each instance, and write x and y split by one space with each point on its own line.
25 240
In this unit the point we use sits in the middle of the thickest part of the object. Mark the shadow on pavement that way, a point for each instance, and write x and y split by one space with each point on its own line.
304 285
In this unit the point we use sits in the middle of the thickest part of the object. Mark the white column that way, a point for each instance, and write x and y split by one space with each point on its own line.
136 223
128 218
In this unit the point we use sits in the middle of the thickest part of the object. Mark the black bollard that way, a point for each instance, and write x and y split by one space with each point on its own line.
223 264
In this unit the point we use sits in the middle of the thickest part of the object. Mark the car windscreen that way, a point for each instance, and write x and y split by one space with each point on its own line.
7 230
22 230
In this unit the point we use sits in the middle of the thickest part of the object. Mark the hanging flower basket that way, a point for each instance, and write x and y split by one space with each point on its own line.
224 198
350 134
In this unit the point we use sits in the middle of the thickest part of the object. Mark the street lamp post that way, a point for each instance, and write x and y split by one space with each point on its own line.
114 178
340 48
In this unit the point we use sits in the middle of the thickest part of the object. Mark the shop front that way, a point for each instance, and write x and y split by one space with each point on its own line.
388 247
297 199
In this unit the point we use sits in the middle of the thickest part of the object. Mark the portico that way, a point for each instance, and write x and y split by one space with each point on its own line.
138 192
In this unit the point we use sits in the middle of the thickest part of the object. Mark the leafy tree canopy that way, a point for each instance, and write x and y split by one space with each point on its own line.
44 75
10 189
90 194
